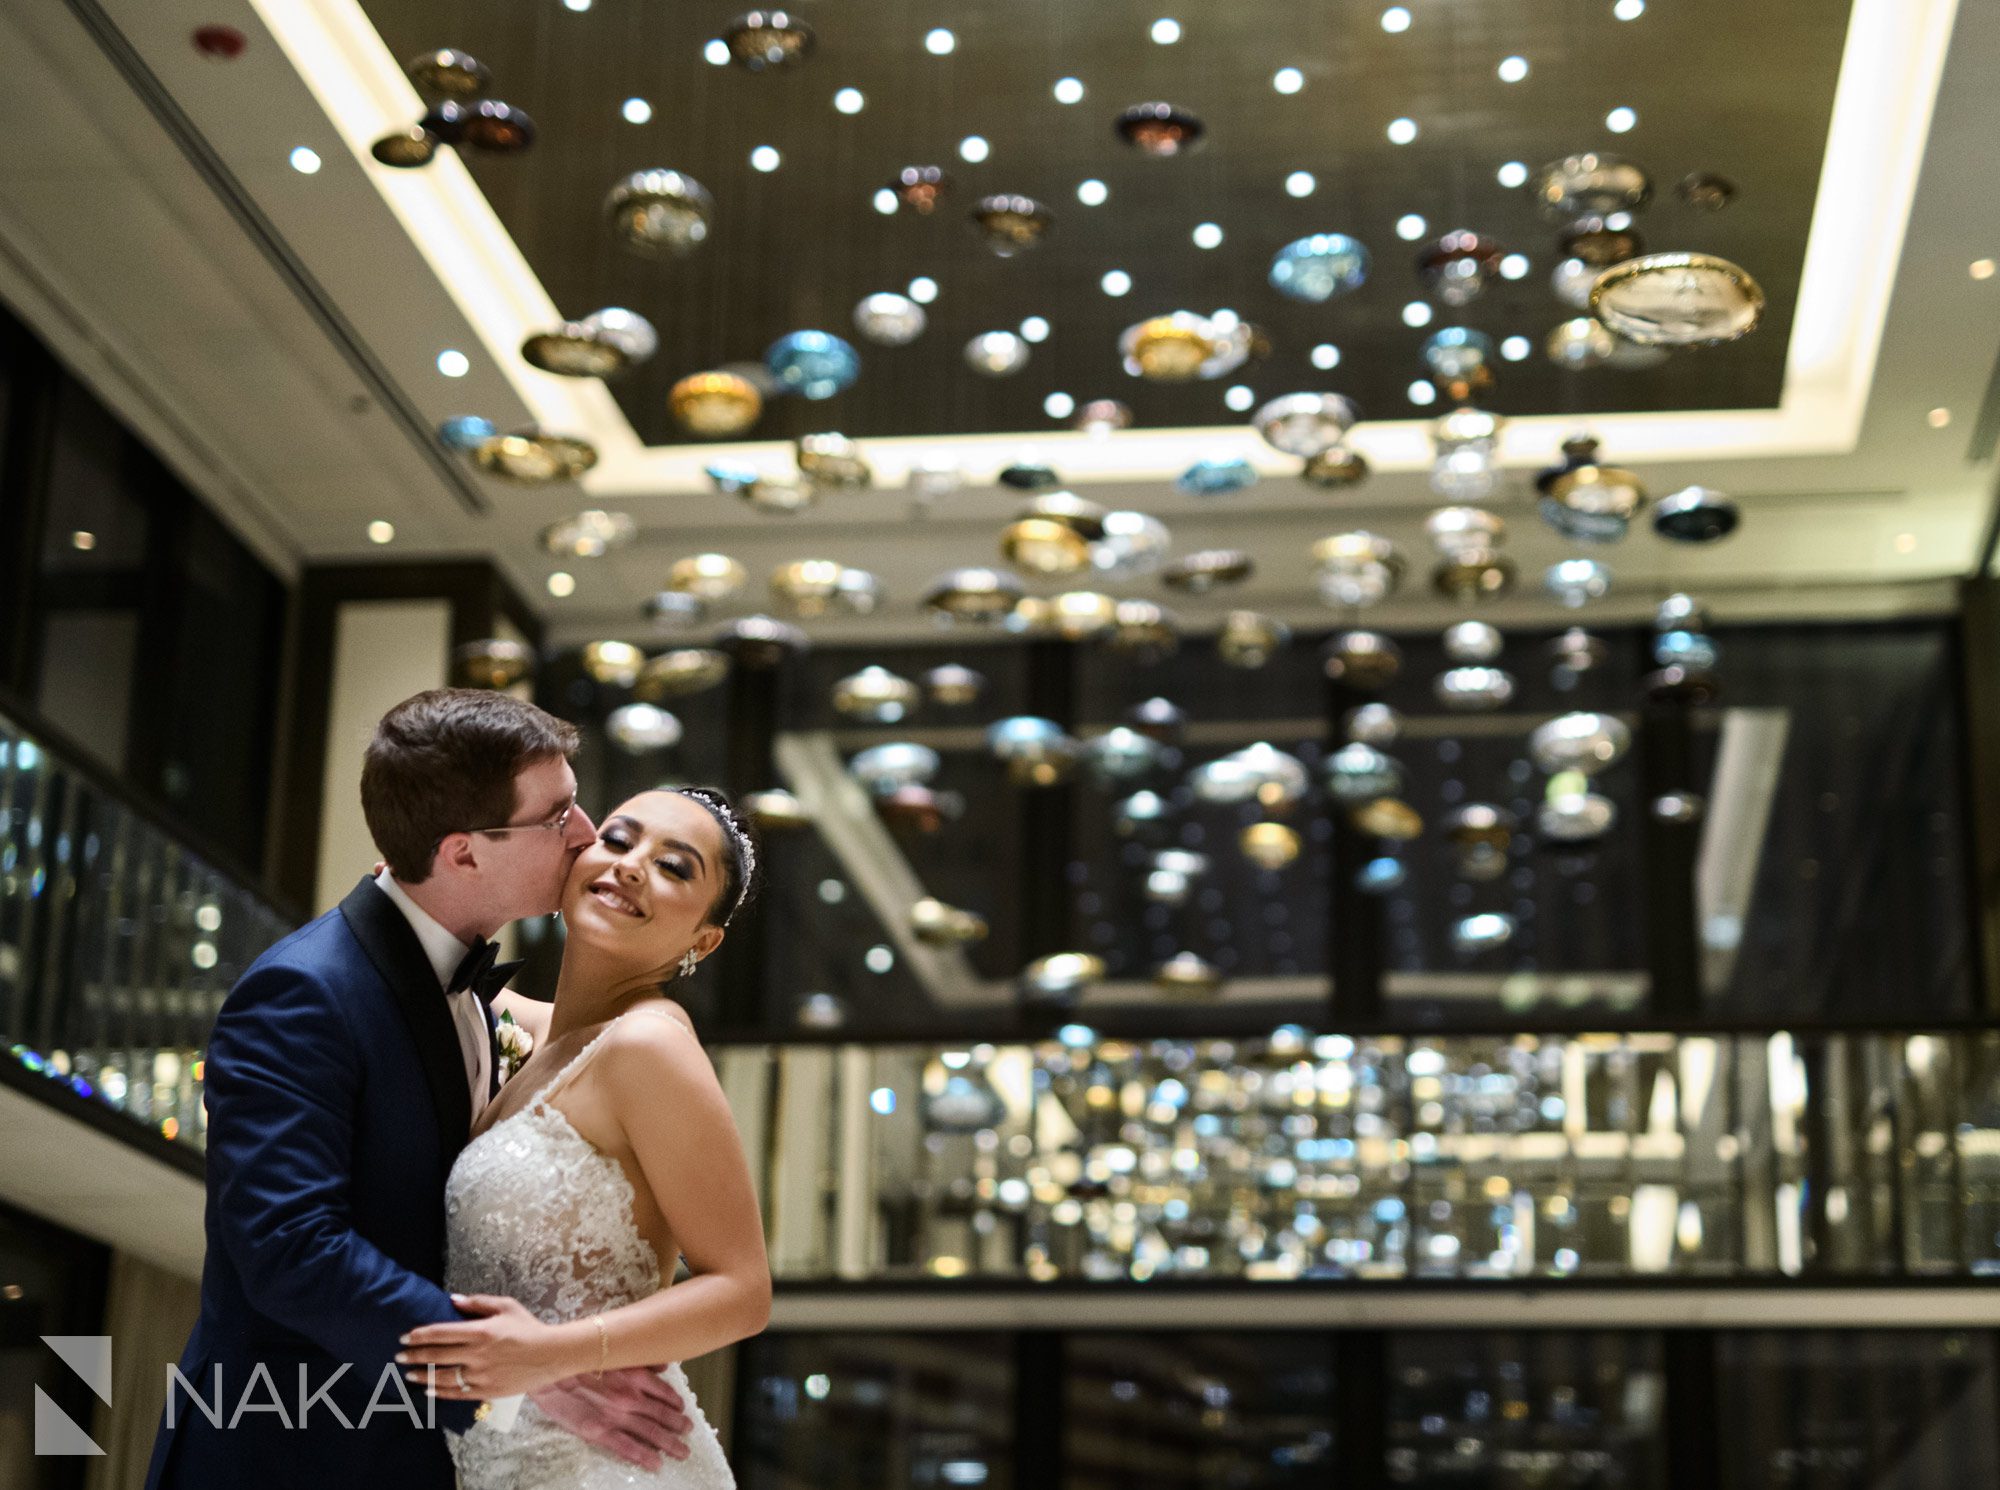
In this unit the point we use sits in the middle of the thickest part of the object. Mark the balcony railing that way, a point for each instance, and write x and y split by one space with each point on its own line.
117 942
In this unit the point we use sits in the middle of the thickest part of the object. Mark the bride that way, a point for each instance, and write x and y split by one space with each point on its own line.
608 1155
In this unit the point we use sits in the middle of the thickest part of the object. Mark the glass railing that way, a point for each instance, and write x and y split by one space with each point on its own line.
1303 1156
117 942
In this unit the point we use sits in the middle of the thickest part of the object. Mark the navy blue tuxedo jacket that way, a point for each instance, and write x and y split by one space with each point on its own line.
336 1104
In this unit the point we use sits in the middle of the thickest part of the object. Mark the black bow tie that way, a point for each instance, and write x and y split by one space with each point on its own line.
478 971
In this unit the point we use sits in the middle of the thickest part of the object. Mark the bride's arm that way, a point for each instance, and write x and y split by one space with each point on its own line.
678 1125
531 1014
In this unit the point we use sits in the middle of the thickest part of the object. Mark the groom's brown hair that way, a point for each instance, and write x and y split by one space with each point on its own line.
445 762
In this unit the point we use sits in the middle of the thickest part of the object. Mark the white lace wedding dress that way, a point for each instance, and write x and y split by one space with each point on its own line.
534 1211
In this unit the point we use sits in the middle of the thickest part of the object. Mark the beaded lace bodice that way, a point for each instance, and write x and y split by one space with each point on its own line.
534 1211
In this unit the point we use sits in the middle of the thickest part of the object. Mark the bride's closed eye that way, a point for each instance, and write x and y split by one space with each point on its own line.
618 844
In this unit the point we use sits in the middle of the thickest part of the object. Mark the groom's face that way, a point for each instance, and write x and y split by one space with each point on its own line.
529 868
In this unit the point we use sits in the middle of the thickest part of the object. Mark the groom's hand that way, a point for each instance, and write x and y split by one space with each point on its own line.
630 1413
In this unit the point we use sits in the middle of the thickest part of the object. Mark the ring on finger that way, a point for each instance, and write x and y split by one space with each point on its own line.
459 1372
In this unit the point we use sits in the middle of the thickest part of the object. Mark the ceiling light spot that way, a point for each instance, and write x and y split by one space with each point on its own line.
764 158
562 585
83 540
1619 120
1034 329
305 160
1300 184
1982 269
453 363
579 6
381 532
1515 266
1516 348
849 101
1116 283
1512 69
1629 10
923 289
1395 18
1939 418
1906 543
1058 406
1069 90
1402 131
1410 227
716 52
1326 356
1240 398
886 203
1618 222
1421 392
974 148
1416 313
636 111
1208 235
1166 31
1092 193
1513 174
879 959
1288 80
940 43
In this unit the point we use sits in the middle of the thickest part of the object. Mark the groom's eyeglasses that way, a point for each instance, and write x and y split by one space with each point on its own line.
555 825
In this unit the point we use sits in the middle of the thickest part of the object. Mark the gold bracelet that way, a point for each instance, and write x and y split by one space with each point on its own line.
603 1342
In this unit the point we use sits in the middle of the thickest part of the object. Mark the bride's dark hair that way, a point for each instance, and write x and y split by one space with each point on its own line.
740 878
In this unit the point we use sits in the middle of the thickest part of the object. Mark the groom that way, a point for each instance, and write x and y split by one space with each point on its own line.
344 1074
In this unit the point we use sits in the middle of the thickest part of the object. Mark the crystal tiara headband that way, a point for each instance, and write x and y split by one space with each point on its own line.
745 849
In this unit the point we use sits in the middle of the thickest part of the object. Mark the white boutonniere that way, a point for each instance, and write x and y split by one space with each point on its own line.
515 1045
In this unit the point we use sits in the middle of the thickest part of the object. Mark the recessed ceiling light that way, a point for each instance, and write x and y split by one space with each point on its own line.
1208 235
562 585
1395 18
1513 174
1416 313
1034 329
923 289
764 158
305 160
1516 348
453 363
849 101
1116 283
1513 69
1288 80
1620 120
1300 184
1166 31
974 148
83 540
1326 356
1058 406
1410 227
1629 10
1402 131
1239 398
1069 90
1939 418
1515 266
716 52
381 532
940 42
579 6
636 111
1092 193
1906 543
1421 392
886 202
1982 269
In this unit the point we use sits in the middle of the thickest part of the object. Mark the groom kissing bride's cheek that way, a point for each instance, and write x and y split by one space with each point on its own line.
414 1273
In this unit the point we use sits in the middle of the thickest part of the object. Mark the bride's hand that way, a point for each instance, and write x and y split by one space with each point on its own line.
503 1350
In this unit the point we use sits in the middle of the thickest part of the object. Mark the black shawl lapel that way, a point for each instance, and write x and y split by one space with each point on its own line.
391 943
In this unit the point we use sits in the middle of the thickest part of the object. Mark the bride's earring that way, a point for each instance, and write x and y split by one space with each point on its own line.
688 963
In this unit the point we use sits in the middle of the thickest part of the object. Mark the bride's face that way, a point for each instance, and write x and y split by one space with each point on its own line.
645 886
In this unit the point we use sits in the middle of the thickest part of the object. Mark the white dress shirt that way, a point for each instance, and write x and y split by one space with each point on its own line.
445 951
